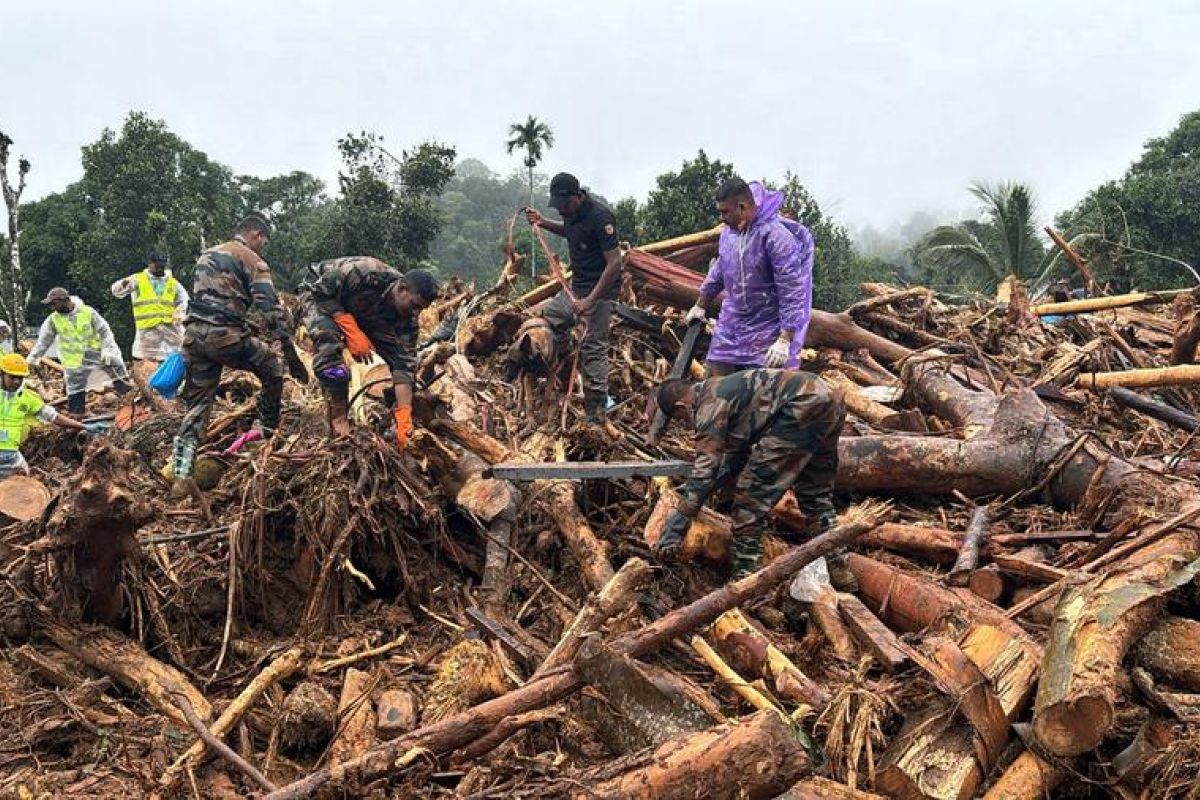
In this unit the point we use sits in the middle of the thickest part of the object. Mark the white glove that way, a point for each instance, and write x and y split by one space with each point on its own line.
110 358
30 361
777 354
695 313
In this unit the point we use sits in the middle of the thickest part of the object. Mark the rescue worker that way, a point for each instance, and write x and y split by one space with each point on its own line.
770 430
159 306
230 279
360 304
591 233
85 344
20 407
764 265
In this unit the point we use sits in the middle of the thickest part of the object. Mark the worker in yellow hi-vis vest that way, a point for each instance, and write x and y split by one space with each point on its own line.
86 348
159 307
21 407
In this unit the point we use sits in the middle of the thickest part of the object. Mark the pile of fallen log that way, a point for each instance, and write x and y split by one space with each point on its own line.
1020 497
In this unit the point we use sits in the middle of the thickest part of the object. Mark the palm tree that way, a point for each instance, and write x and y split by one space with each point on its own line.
1003 243
533 136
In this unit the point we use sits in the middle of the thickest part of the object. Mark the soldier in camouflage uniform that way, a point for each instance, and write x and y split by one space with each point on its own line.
361 304
772 430
230 279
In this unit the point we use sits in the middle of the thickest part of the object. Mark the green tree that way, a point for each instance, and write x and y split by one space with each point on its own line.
684 201
626 212
387 206
53 227
300 216
145 189
534 137
478 206
981 254
1146 226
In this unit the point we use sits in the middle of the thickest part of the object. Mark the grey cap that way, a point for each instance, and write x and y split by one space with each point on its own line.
57 293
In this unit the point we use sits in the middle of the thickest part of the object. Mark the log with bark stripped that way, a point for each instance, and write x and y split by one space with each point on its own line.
1171 651
990 675
755 758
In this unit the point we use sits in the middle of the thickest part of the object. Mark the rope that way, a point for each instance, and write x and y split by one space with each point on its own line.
557 271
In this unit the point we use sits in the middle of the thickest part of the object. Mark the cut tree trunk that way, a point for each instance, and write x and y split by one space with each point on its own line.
356 718
1171 651
988 583
1027 778
824 614
709 536
864 407
757 757
1103 303
1187 337
989 675
932 545
129 665
1182 375
23 498
914 603
591 553
1094 625
635 712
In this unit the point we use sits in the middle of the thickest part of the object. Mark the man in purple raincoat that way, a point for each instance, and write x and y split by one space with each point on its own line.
764 266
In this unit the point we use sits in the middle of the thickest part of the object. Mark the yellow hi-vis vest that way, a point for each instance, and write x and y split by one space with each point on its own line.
74 338
16 410
149 309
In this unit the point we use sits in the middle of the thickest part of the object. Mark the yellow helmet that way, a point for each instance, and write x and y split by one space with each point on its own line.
13 364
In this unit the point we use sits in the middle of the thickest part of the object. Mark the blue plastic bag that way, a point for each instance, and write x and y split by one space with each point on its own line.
169 375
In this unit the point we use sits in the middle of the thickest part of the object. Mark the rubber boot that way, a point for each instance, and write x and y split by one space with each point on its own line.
593 408
747 555
183 458
666 550
336 410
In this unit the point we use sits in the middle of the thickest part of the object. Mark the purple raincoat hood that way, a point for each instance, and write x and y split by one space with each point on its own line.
768 202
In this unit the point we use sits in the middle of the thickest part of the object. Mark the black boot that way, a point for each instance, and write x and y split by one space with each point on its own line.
593 408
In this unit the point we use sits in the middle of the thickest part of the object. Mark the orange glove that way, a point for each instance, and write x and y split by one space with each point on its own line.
403 416
356 341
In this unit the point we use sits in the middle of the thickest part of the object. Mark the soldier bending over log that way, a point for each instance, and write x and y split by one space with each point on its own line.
771 430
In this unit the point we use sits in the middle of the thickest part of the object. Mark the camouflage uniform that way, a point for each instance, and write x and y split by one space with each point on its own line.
774 429
356 285
230 279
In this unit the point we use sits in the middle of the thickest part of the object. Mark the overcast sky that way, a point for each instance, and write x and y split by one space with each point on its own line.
882 108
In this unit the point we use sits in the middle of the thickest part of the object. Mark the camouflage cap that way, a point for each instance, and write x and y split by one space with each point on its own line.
57 293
